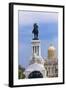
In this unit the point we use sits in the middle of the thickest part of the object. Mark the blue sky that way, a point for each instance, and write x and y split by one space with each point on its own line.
48 33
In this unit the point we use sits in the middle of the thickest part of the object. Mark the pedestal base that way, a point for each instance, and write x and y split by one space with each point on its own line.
36 47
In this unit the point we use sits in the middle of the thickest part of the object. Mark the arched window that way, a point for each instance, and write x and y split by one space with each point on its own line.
35 74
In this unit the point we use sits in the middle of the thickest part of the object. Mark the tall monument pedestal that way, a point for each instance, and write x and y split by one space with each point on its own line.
36 47
36 67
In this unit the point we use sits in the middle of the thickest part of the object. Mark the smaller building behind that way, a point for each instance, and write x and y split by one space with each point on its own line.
51 63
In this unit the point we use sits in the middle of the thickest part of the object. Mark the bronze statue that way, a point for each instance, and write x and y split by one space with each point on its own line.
35 31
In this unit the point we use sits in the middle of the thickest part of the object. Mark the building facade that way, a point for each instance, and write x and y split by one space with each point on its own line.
51 63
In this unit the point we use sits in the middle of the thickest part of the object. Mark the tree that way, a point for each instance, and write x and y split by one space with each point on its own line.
21 72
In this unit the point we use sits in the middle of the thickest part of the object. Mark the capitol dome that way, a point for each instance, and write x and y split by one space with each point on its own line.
51 48
51 52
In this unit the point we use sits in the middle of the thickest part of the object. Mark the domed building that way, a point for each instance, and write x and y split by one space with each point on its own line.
51 52
51 63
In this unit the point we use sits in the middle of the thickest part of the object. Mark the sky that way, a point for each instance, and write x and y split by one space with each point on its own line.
48 33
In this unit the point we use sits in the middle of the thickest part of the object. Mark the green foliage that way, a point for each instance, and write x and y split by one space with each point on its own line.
21 72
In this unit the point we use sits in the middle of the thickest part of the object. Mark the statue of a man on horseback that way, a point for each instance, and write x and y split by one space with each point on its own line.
35 31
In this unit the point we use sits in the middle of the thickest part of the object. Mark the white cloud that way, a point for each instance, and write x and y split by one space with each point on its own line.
28 18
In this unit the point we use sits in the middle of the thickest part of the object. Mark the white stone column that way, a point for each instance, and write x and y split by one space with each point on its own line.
36 48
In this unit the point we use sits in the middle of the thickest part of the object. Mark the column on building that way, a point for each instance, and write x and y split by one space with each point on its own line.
36 47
